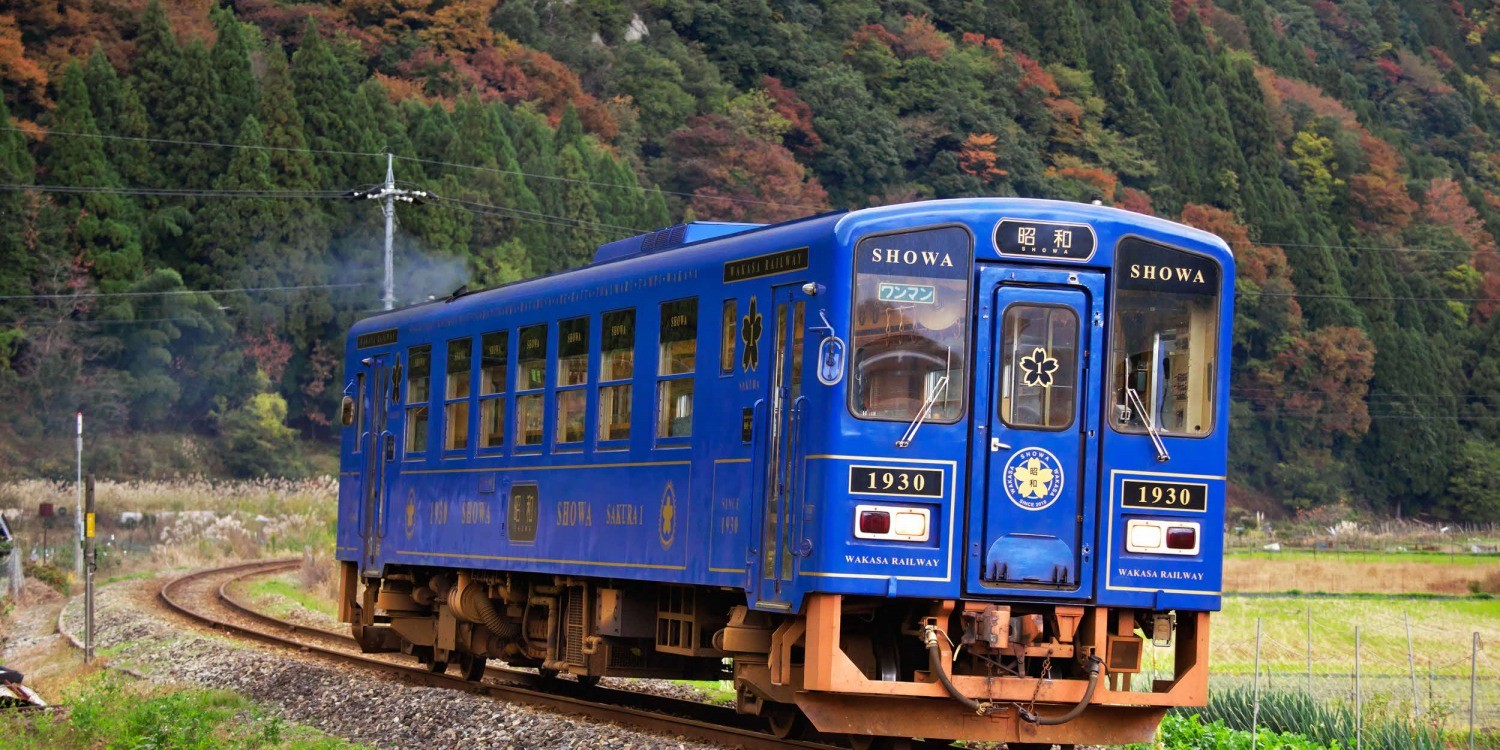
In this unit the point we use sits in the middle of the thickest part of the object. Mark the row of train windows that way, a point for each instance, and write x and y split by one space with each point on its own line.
677 350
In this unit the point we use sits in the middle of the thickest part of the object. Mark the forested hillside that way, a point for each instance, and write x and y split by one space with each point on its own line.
1346 149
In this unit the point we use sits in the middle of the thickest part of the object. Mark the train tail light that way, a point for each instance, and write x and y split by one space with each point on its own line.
1182 537
893 523
1162 537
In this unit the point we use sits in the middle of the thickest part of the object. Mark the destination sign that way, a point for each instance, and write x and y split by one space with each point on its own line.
785 261
1164 495
1147 266
376 338
523 515
941 253
1016 238
887 480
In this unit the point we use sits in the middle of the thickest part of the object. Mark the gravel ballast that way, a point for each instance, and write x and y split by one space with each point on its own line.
344 701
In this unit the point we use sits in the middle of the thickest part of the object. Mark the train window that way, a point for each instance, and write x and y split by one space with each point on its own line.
1164 341
1039 367
676 359
456 394
418 392
494 351
531 375
532 372
573 352
572 375
616 367
727 329
911 315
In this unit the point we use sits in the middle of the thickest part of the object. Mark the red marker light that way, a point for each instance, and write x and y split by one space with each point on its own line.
1182 537
874 522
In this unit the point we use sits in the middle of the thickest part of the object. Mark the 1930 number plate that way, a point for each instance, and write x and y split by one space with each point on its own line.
1165 495
888 480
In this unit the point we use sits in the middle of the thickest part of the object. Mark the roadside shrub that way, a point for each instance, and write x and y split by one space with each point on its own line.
1327 722
1185 732
52 575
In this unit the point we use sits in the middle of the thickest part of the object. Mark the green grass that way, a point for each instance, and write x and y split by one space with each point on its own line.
1441 633
1384 556
137 575
105 711
1180 732
719 691
282 594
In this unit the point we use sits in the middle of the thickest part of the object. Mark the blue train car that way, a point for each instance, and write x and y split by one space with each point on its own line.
961 455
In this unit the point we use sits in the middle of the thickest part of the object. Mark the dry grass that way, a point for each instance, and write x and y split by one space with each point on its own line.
155 525
1334 576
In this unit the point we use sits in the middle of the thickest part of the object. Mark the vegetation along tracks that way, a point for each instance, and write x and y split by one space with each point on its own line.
205 598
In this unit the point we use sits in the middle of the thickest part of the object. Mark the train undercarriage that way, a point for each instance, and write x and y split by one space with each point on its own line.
1026 674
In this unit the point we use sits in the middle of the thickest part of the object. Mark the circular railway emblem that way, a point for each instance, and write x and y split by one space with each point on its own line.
1033 478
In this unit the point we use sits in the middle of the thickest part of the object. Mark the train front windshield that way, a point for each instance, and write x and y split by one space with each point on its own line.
1164 340
911 315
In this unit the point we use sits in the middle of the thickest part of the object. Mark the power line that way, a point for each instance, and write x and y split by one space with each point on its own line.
174 192
540 215
209 144
572 180
1322 246
1305 295
174 292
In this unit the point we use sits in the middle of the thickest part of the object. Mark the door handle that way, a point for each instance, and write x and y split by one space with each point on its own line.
996 446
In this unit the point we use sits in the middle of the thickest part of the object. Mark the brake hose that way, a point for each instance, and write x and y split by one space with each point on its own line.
1095 664
935 665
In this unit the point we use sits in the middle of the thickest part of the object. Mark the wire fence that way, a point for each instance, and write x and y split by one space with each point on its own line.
1430 671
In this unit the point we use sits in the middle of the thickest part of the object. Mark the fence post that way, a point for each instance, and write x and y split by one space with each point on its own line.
1411 663
1359 709
1309 650
1255 705
1473 675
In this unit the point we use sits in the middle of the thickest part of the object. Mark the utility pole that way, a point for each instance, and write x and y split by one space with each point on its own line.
88 577
388 194
78 516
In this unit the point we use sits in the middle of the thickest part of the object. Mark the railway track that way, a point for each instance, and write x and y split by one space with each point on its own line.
205 597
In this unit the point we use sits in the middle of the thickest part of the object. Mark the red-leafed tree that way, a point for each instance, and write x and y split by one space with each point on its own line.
978 157
733 176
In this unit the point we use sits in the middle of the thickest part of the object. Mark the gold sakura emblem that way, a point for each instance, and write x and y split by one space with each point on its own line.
1033 478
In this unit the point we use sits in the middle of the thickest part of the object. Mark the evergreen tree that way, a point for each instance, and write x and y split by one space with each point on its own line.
102 225
230 58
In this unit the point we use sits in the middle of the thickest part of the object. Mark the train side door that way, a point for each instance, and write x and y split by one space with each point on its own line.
779 546
1031 521
378 445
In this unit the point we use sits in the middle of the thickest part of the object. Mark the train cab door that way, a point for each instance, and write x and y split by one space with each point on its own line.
378 445
1032 520
780 547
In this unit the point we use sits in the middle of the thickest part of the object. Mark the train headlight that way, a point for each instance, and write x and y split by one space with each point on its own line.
892 523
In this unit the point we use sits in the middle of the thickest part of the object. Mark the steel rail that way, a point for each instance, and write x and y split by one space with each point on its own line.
681 718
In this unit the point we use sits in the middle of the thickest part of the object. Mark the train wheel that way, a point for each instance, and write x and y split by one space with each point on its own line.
547 675
473 667
437 667
588 680
785 721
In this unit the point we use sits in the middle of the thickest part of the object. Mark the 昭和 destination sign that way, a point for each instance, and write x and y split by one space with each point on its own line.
1044 239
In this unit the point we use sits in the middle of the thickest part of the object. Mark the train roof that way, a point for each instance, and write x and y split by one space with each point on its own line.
843 224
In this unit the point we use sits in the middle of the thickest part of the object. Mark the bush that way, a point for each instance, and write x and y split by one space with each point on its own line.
255 441
52 575
1184 732
1322 721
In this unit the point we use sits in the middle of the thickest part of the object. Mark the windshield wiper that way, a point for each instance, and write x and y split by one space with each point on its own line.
1151 429
938 390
